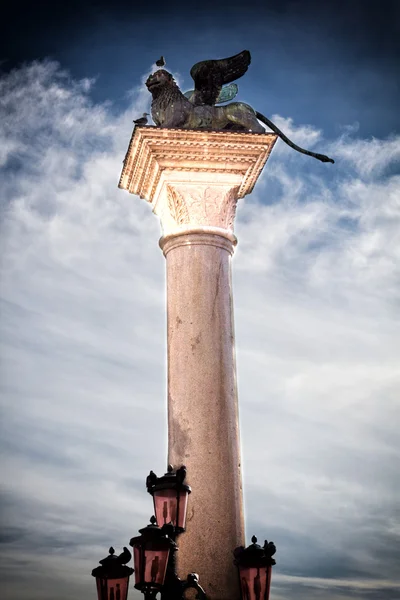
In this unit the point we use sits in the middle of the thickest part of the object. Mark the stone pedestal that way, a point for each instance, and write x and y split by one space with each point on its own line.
193 180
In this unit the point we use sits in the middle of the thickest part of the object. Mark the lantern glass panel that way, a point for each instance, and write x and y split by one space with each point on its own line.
170 507
165 506
183 502
155 566
137 559
255 582
112 589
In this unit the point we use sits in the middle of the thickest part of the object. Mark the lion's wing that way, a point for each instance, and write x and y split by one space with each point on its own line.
210 75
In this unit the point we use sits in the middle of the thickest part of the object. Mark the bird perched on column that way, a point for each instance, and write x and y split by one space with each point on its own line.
161 62
181 474
142 121
269 548
125 557
151 480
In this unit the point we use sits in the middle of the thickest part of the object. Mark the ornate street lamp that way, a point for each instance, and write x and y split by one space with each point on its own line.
112 577
170 497
151 550
154 553
255 565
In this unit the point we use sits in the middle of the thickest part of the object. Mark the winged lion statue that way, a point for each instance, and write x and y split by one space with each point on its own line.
202 107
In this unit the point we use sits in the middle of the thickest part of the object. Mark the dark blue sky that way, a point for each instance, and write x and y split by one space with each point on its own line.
326 63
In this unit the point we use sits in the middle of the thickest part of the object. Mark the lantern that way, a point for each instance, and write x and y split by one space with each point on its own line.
112 577
150 554
170 497
255 565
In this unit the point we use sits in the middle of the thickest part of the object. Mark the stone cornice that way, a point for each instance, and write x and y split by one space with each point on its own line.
194 178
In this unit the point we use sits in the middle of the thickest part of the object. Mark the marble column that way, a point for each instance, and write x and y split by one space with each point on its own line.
193 180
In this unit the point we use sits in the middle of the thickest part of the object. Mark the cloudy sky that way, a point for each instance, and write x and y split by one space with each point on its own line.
316 289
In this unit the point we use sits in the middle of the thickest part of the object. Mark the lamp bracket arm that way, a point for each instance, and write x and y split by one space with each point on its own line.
192 581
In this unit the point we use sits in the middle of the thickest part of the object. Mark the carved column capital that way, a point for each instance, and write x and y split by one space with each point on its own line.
184 206
193 179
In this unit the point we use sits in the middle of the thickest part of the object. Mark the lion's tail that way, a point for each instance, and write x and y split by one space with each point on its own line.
283 137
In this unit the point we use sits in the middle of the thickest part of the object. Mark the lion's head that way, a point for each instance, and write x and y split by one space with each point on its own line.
158 80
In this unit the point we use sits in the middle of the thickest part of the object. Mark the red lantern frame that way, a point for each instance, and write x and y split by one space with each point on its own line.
170 497
112 577
151 551
255 568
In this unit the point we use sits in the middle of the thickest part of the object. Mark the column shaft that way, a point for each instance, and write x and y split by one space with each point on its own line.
203 430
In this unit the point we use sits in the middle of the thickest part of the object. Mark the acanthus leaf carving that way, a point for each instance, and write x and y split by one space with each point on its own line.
177 206
202 205
228 208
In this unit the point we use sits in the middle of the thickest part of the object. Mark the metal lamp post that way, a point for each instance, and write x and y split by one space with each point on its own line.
154 552
155 549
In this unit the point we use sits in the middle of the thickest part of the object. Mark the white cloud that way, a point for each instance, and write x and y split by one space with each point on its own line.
316 286
370 158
